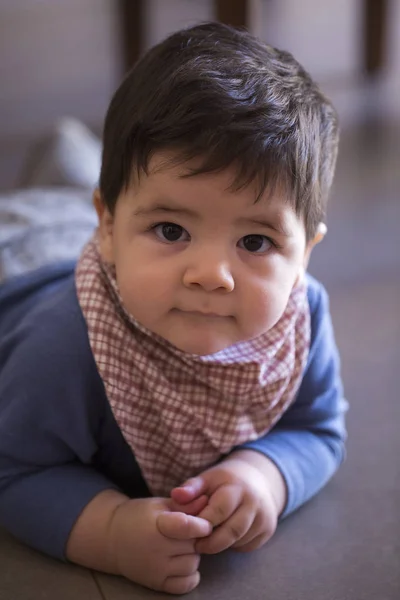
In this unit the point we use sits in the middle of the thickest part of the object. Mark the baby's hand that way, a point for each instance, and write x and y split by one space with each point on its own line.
156 547
242 507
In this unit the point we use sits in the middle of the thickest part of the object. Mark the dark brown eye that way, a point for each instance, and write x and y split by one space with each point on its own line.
171 232
255 244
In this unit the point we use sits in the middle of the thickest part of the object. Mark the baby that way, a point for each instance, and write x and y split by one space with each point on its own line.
177 391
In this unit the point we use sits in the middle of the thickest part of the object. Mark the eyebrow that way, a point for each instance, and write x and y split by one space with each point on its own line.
276 226
173 210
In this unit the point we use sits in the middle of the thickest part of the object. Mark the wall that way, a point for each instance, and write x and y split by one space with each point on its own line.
56 57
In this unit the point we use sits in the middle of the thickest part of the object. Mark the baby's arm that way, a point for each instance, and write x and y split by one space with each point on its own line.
54 502
51 495
139 539
306 447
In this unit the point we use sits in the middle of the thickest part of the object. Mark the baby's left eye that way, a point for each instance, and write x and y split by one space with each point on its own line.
256 244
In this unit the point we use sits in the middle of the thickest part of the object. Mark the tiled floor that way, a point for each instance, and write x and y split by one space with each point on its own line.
345 544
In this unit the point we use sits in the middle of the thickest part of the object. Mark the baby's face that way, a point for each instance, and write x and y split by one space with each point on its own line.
199 265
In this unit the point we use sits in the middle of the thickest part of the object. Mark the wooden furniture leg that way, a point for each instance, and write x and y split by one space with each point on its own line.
375 35
132 27
232 12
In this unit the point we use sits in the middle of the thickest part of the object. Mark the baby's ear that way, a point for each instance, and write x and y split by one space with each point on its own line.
318 237
106 227
321 233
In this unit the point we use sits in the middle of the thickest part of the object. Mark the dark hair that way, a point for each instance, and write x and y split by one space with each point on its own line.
221 95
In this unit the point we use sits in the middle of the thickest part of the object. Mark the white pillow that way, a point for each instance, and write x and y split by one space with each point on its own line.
70 157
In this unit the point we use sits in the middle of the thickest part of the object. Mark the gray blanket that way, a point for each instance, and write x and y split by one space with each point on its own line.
41 226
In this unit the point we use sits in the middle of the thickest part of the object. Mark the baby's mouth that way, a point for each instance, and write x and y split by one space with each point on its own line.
203 314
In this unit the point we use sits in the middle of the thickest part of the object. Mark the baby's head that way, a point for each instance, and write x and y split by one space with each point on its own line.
219 153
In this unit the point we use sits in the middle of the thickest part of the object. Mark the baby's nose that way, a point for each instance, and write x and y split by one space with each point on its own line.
210 272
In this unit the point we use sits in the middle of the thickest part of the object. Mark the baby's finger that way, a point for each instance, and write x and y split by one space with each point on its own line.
191 489
254 531
227 534
262 530
253 544
185 564
222 504
179 526
191 508
181 585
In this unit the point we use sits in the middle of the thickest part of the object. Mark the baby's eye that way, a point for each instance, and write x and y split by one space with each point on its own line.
257 244
171 232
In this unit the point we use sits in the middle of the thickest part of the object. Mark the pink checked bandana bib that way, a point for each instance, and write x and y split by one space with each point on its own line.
181 412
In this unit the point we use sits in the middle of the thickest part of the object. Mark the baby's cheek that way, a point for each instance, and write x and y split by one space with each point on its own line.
133 292
265 310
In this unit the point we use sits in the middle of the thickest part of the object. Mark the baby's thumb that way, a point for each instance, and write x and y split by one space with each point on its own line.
179 526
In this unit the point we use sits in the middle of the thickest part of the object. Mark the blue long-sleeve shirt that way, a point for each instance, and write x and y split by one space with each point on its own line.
60 445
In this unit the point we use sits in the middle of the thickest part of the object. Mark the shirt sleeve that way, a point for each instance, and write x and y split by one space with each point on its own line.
48 431
308 443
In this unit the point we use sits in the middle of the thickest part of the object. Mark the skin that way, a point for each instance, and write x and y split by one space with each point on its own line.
219 269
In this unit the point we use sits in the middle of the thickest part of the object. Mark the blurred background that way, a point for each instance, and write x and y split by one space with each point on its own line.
64 58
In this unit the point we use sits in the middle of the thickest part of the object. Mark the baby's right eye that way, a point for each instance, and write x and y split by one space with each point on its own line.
171 232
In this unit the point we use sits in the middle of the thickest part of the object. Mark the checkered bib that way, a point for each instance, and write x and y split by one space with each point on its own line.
180 412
